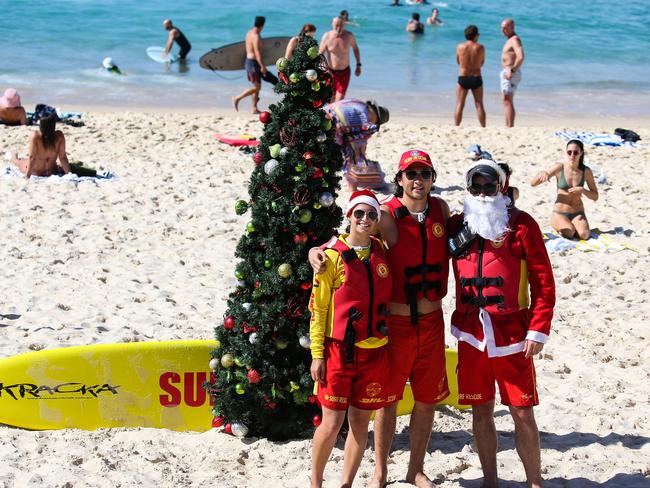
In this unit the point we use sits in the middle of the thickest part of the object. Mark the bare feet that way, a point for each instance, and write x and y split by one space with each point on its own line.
378 481
235 103
420 480
255 111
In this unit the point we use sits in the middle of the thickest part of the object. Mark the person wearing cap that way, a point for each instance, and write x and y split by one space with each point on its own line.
413 224
110 66
505 294
354 124
175 35
348 305
11 110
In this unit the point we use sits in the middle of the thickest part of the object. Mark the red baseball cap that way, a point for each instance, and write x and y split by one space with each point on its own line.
414 156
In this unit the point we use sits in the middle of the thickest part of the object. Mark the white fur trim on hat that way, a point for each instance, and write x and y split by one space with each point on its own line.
485 162
368 200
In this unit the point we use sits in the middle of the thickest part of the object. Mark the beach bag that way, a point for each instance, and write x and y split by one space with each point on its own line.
627 135
43 110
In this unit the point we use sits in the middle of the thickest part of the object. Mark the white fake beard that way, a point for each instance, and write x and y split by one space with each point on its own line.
487 216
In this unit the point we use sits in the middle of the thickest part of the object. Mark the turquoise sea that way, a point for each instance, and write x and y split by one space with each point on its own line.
582 58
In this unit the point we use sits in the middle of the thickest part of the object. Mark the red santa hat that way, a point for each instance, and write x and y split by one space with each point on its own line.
363 196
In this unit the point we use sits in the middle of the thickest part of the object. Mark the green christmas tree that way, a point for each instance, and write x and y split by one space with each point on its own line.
262 384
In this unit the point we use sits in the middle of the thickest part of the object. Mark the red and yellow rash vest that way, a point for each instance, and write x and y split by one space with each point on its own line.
493 308
349 300
420 259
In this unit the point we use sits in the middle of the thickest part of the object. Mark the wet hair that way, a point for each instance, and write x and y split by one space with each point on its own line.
435 10
415 16
344 13
307 28
260 20
399 191
581 163
47 125
471 31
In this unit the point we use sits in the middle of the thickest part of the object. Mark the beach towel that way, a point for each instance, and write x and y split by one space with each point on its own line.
595 139
598 242
11 171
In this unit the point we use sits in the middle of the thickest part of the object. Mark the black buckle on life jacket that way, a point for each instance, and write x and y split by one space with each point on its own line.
481 281
382 327
412 290
382 309
350 336
402 212
349 255
422 269
482 301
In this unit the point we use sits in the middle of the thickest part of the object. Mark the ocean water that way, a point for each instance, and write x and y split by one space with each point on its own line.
582 58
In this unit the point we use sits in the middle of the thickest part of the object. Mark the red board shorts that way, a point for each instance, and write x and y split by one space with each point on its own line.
477 374
341 79
361 383
417 354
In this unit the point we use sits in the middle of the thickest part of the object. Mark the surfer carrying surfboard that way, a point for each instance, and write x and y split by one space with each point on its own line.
175 35
255 67
498 254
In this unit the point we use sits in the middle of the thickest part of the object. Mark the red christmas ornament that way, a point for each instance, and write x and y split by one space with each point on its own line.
283 77
308 155
265 117
229 322
218 422
227 429
316 420
258 158
271 405
300 238
317 103
258 284
312 398
249 328
317 174
306 285
253 376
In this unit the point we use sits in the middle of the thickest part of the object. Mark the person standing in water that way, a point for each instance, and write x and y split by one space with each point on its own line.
512 57
175 35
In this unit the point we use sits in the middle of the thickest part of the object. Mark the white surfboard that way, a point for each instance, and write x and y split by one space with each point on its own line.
157 54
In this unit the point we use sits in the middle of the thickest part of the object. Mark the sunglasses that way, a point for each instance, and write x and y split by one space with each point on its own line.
360 214
489 189
425 174
573 153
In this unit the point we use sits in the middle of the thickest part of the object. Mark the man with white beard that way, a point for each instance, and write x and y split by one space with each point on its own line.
498 254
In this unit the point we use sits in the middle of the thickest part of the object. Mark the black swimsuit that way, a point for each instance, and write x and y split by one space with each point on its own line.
470 82
183 43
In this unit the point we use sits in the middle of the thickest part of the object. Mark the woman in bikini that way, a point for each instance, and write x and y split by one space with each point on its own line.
45 147
568 217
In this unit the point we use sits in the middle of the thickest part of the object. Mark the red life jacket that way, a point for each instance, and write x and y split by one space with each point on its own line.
361 303
491 277
420 259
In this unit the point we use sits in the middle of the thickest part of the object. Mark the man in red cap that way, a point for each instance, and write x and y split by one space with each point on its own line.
498 254
413 224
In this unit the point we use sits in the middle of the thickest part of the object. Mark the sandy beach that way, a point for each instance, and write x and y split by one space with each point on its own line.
149 257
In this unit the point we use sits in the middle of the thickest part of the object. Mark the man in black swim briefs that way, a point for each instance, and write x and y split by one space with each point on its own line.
470 56
175 35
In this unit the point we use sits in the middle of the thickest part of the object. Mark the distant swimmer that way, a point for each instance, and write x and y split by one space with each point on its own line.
175 35
110 66
345 16
11 110
414 26
470 56
434 19
512 57
395 3
336 44
255 67
307 30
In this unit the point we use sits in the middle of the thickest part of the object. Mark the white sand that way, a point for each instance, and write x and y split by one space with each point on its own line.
149 257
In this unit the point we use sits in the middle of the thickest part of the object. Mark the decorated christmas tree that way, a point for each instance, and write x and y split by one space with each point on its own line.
262 384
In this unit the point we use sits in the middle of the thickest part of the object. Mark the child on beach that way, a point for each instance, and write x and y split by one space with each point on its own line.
348 336
568 217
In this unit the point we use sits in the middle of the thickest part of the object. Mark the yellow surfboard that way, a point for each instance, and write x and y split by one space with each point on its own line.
142 384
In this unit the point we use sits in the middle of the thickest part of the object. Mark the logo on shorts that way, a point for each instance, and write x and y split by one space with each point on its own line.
497 244
437 229
373 389
382 270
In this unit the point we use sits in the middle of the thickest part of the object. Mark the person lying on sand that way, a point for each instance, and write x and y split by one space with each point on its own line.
45 147
11 111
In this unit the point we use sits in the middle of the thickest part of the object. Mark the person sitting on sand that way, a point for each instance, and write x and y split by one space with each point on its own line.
45 147
11 111
568 217
307 30
414 26
434 19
